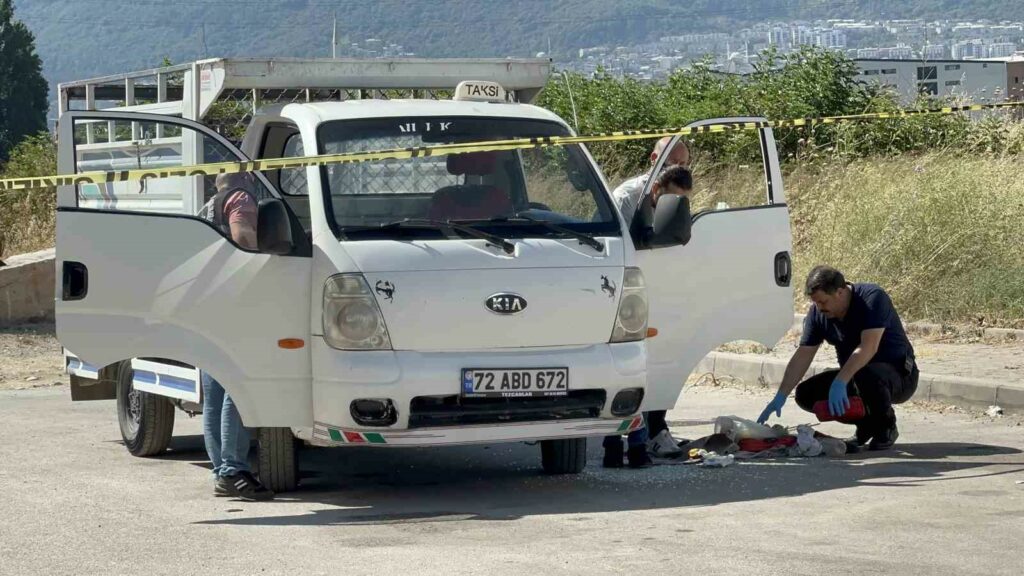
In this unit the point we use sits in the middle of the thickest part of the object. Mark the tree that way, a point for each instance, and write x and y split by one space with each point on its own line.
23 90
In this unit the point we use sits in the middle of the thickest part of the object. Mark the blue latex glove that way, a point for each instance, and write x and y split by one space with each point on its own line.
838 401
774 406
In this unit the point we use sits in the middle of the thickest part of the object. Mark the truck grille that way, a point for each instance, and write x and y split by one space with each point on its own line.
430 411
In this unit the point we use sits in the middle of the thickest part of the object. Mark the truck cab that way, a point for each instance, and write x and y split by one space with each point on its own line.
428 299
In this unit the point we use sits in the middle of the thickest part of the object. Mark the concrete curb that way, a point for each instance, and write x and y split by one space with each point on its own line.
956 390
928 329
26 288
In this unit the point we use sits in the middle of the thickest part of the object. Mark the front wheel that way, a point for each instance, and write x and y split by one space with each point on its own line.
564 456
146 420
278 463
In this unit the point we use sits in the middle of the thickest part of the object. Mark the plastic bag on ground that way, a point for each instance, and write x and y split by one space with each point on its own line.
806 443
740 428
833 447
712 460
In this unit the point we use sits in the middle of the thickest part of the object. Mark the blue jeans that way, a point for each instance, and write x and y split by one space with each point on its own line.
227 440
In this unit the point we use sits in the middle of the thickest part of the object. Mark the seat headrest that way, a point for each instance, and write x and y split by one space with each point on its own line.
472 163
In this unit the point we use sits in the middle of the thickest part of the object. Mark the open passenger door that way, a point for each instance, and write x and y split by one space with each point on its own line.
142 275
730 282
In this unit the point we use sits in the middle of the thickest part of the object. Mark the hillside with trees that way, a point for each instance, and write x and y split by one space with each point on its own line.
84 38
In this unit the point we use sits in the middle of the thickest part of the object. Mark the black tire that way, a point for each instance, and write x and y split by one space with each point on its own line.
564 456
146 420
277 459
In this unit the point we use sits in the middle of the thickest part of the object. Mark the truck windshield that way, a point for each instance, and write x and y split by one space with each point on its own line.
499 192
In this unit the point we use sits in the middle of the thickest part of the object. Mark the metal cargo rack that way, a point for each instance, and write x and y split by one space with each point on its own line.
224 93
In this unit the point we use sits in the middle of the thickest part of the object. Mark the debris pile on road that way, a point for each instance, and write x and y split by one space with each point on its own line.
737 438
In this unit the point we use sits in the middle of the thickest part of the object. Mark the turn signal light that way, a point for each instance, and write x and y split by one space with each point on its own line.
291 343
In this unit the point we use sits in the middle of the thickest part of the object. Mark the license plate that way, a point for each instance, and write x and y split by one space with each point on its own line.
514 383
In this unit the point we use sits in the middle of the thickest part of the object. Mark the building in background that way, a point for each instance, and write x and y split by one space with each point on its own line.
934 52
985 81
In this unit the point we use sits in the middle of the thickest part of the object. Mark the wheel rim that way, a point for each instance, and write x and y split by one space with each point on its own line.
134 409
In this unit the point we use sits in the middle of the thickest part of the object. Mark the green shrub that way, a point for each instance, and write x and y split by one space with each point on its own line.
28 217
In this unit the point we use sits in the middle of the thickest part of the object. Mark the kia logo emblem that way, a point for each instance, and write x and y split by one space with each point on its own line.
506 303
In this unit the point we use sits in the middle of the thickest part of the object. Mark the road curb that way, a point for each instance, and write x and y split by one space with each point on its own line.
929 329
956 390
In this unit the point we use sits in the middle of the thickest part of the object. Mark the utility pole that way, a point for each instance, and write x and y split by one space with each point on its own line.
334 37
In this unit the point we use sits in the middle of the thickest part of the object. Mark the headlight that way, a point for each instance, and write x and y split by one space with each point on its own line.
351 318
631 320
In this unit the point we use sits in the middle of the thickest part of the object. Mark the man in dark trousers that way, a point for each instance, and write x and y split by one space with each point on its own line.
876 358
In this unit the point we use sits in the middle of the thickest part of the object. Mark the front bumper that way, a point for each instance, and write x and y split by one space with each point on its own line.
404 376
327 435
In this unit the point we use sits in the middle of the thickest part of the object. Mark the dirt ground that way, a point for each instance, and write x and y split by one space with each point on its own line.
30 357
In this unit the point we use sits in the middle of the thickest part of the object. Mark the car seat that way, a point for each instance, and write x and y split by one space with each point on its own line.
470 201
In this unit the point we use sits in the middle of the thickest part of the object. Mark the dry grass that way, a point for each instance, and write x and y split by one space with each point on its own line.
27 221
942 233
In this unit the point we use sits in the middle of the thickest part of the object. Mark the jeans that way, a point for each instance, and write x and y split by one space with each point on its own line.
227 440
878 384
655 422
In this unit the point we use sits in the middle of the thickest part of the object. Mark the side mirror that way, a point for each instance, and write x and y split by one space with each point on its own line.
579 173
672 223
274 228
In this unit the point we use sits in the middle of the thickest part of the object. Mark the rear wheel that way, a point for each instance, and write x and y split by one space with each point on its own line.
564 456
146 420
277 459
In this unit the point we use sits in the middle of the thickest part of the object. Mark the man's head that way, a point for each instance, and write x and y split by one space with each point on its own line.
679 155
673 180
827 288
233 181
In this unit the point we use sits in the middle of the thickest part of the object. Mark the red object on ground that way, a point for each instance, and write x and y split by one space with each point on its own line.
855 412
757 445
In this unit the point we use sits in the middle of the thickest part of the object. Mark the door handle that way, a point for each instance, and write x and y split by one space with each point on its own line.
75 281
783 269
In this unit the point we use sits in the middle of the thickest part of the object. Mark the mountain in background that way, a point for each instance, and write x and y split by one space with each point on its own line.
80 39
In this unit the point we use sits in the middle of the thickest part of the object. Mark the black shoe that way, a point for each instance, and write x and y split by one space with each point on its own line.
885 439
861 437
218 490
242 485
613 455
638 458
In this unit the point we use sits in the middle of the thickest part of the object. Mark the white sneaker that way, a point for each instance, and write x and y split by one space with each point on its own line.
663 445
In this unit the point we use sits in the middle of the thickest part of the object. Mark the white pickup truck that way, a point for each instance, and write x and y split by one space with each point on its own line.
481 297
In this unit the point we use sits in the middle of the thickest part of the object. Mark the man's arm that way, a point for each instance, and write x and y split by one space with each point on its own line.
240 210
862 355
244 234
795 370
797 367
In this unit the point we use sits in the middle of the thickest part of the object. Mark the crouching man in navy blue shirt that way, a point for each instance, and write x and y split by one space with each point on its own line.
876 358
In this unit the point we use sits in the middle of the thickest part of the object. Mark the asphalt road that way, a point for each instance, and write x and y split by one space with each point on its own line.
72 501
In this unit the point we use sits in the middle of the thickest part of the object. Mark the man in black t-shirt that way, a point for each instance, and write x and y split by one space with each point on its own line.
875 356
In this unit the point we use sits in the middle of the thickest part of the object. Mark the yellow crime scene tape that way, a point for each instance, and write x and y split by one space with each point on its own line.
100 177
